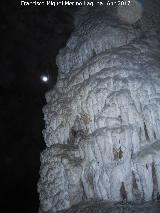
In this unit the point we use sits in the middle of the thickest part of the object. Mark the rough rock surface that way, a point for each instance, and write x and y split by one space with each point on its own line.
108 207
103 116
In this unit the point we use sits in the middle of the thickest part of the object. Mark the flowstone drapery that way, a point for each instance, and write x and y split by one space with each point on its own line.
103 116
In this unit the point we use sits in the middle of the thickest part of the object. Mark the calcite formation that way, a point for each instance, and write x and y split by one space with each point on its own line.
102 119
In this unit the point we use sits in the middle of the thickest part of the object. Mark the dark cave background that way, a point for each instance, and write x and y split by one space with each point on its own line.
31 37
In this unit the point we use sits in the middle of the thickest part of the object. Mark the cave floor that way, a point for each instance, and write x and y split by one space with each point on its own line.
106 207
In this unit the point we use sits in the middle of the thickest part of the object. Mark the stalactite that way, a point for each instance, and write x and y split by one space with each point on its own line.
146 132
155 182
138 195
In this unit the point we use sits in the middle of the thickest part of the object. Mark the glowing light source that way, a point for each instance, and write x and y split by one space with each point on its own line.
44 78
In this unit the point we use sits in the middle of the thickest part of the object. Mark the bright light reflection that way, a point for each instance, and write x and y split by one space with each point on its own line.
44 78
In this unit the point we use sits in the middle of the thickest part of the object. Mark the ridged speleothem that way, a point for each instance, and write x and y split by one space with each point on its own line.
103 117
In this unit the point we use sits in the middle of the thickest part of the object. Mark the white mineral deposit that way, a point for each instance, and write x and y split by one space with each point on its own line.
102 119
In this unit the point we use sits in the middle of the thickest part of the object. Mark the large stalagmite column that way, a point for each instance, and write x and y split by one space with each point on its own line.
103 117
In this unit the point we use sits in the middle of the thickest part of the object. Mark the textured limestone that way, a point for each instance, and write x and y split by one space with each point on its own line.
109 207
103 116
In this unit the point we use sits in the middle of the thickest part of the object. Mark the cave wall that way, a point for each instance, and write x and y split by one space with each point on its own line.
102 119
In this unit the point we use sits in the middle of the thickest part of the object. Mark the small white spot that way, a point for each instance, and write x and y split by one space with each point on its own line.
44 78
